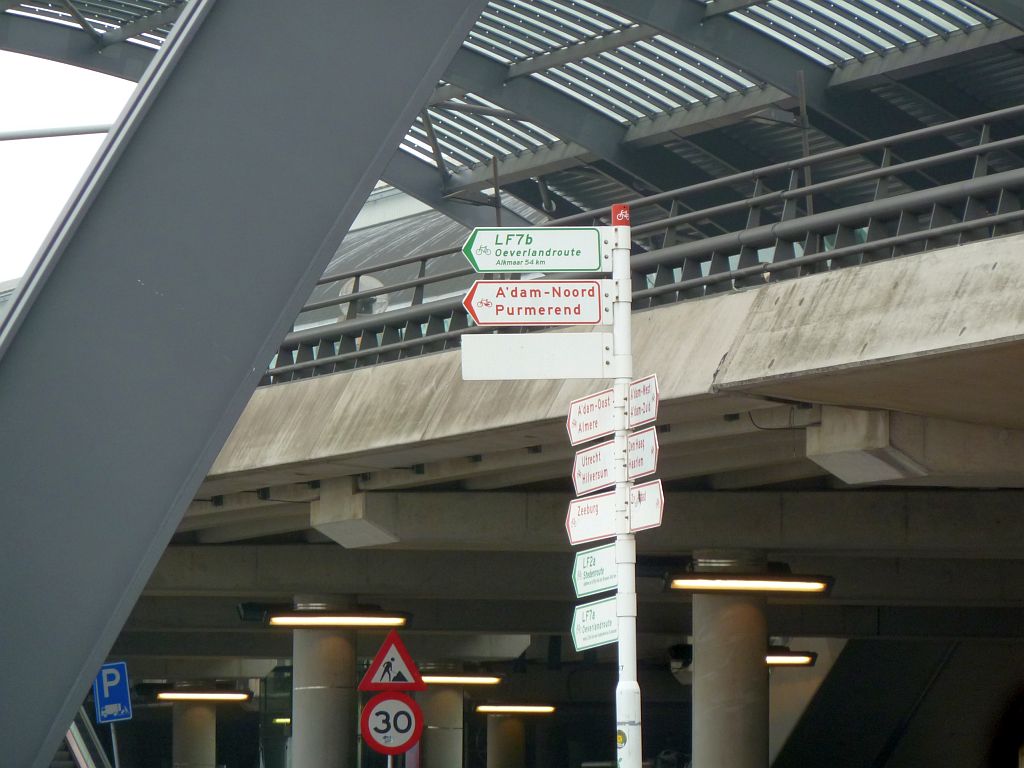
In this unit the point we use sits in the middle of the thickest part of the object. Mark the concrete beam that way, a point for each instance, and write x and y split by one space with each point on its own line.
861 447
341 514
676 460
341 424
291 521
940 333
778 473
917 523
666 622
194 668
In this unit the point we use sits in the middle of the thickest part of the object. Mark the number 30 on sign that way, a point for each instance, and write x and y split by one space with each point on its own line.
391 723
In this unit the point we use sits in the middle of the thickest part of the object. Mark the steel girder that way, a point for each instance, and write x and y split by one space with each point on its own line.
850 118
919 59
74 46
570 120
655 168
1008 10
164 288
420 181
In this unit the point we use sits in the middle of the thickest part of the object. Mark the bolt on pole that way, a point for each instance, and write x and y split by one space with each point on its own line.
627 692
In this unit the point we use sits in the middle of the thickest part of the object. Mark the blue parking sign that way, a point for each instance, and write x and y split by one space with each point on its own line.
110 693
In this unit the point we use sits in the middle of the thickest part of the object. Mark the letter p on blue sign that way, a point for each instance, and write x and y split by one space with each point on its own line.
111 695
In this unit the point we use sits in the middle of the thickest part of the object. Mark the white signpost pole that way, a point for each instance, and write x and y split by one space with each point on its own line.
627 692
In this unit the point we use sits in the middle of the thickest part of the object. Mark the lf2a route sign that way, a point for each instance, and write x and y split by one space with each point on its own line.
392 669
391 723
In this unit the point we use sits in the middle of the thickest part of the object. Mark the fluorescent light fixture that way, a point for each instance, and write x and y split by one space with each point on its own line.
515 709
335 619
186 695
731 582
461 680
783 657
282 721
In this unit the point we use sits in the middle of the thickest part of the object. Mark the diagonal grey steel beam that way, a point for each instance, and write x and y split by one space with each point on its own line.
1011 11
570 120
559 114
140 331
591 47
81 20
699 118
71 45
419 180
919 59
849 117
720 7
143 25
125 60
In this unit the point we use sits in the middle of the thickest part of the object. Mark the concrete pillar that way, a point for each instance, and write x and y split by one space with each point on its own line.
442 736
324 697
730 682
506 742
194 740
730 677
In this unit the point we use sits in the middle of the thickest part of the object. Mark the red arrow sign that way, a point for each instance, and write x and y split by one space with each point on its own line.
537 302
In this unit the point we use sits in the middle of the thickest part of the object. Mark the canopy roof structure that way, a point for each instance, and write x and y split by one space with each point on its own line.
569 103
750 116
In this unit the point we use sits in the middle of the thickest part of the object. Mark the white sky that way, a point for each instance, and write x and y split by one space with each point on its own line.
38 175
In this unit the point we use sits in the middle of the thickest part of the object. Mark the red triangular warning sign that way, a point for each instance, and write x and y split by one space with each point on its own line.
392 669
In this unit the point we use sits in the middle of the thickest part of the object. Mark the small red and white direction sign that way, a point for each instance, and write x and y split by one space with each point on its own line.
538 302
643 453
593 416
592 518
643 401
646 506
392 669
593 468
391 723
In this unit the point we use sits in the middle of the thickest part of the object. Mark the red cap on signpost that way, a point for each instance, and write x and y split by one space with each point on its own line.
620 215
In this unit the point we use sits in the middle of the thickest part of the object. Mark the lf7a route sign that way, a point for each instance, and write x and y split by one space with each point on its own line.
539 249
538 302
595 624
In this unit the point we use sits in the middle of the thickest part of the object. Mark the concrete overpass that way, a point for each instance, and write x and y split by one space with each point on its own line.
832 422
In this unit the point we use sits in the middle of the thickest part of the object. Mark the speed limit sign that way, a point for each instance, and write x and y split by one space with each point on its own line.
391 723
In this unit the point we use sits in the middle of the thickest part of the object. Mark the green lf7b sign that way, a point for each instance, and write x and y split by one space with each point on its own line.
539 249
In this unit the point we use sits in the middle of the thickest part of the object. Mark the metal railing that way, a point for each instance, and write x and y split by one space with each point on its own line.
930 188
